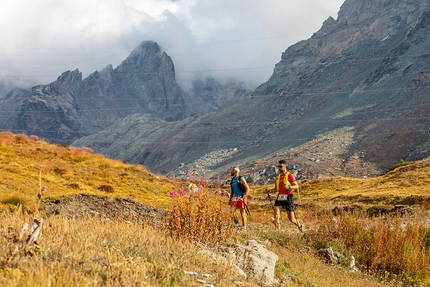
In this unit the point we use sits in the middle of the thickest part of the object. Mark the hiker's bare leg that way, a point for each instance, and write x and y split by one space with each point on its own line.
292 218
277 215
233 212
243 216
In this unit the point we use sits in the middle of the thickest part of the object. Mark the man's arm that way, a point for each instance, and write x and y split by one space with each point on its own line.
292 180
271 190
231 194
294 185
245 185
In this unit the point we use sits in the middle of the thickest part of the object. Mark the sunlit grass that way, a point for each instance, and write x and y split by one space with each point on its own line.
391 246
27 162
94 251
97 252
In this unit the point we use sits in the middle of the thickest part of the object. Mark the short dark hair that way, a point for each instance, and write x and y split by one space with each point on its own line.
282 161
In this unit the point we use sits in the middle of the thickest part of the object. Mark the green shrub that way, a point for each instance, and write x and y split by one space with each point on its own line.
106 188
13 202
75 185
401 163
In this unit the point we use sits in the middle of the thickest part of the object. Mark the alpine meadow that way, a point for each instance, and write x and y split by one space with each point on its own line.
73 218
137 174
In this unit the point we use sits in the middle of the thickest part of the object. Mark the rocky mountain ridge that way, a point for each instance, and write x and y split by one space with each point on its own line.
351 100
359 82
144 83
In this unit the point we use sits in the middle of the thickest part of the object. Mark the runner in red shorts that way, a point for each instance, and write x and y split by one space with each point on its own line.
238 195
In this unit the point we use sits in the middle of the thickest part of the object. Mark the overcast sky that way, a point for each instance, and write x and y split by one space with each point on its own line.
40 39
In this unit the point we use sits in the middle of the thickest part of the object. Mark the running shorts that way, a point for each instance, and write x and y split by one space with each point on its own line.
288 204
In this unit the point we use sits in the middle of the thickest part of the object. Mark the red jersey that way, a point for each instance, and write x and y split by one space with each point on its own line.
282 188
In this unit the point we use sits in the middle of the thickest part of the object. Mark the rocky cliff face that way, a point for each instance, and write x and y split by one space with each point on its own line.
72 107
359 72
208 95
351 100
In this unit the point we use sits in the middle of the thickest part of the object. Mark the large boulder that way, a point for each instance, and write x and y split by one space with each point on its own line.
252 260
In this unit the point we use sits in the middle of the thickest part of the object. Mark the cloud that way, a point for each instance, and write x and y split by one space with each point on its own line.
220 38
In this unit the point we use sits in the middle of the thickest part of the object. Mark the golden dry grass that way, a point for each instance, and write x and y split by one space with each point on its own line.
98 252
28 165
95 252
410 180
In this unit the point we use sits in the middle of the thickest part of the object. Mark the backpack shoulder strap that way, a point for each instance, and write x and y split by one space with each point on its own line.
286 180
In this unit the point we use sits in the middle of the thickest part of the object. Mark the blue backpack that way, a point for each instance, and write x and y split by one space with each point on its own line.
239 184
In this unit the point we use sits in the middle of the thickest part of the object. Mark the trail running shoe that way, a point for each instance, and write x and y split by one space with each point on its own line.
236 222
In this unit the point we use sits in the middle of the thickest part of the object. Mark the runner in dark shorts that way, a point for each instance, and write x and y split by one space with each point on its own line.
284 185
287 204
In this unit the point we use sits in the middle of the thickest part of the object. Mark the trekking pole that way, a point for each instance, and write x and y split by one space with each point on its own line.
270 198
273 206
298 193
247 212
295 215
247 209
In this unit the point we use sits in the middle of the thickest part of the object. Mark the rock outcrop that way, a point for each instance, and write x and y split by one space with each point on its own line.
251 260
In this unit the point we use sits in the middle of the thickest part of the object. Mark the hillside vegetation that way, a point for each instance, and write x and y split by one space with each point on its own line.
355 217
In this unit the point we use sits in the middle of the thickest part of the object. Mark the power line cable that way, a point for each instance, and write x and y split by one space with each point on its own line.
126 99
195 71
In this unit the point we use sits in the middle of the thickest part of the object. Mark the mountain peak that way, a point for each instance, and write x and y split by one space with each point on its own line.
70 76
146 47
146 58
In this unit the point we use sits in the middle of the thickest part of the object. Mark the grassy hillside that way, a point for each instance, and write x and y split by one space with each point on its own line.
97 251
28 164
